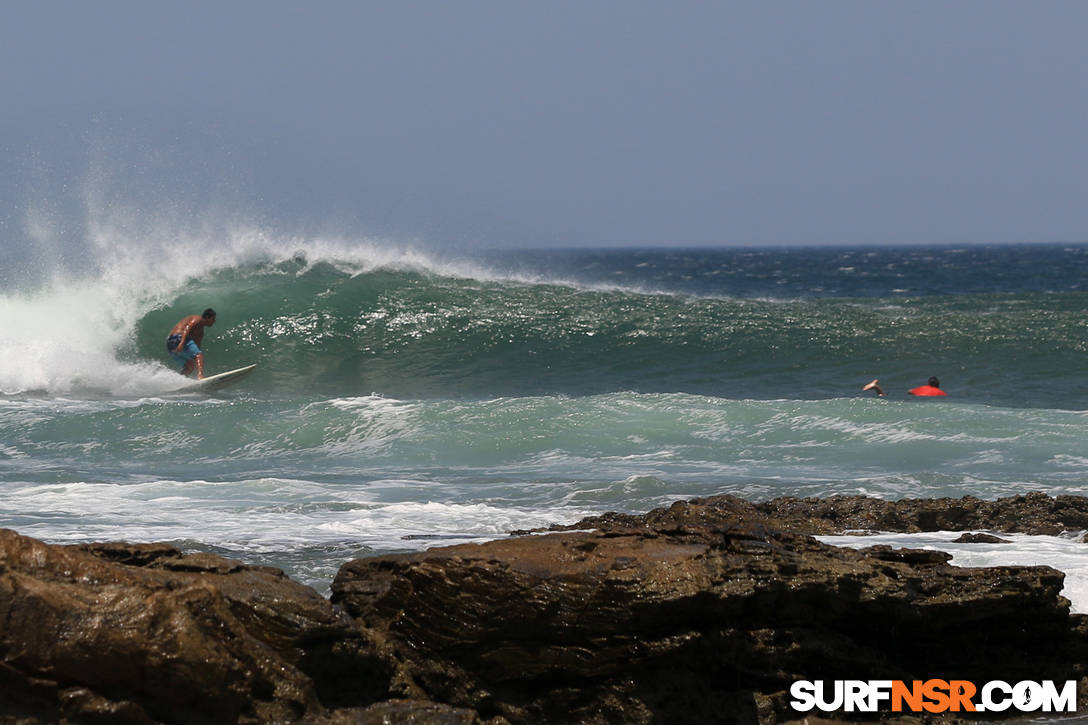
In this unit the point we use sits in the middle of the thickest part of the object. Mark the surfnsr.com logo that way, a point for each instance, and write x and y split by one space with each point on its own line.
934 696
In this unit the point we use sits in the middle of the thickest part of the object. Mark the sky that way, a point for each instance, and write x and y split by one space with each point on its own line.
591 123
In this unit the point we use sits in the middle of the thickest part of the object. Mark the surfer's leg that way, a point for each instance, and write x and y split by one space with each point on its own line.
191 357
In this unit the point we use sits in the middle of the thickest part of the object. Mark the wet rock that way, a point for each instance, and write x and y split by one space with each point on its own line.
980 539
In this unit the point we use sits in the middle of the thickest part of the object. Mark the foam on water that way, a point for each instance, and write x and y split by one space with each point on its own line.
311 528
265 520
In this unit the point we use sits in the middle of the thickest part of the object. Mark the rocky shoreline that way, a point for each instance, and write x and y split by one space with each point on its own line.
704 611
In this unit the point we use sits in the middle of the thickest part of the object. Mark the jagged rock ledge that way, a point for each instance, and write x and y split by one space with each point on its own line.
705 611
1031 513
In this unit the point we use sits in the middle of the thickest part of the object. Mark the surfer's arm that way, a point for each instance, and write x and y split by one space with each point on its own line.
874 386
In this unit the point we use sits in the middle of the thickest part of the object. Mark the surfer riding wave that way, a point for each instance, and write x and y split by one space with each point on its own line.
183 342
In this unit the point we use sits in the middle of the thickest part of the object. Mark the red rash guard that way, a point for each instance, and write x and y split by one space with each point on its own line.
927 390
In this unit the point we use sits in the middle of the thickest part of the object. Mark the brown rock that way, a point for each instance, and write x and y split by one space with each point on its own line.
140 633
1032 513
706 610
403 712
694 624
980 539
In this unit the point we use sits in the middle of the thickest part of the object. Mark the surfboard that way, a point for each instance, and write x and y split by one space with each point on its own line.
214 382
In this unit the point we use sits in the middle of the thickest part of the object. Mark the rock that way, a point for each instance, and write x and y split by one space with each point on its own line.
717 512
681 616
403 712
707 610
980 539
1032 513
141 633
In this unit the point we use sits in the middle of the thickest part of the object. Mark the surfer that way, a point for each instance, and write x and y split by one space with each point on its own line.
932 388
184 340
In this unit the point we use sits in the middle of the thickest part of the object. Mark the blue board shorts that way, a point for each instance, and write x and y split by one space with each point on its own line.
185 354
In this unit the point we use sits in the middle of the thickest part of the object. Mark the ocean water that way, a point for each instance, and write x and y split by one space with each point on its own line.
407 398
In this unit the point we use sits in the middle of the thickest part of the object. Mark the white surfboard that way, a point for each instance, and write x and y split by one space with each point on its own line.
214 382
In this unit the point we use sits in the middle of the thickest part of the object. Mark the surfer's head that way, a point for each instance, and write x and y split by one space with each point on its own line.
209 316
932 381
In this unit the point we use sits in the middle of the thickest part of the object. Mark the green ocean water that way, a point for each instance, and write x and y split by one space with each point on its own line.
405 398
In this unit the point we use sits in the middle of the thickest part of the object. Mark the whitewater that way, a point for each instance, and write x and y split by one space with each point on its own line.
407 398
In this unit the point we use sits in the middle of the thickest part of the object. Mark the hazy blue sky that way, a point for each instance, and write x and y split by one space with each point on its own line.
561 123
